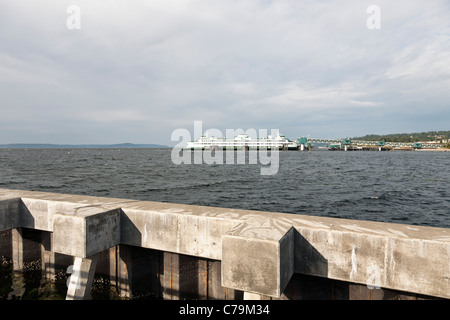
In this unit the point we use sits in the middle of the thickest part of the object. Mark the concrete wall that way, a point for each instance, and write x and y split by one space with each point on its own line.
219 252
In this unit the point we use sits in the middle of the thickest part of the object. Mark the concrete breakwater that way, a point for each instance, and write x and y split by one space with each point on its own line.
181 251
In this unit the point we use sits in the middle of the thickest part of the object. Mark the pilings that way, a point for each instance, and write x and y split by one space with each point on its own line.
17 249
132 272
178 252
47 256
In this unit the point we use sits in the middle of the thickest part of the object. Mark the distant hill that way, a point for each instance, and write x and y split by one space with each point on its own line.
79 146
408 137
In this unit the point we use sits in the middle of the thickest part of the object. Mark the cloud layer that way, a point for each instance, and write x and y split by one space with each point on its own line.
137 70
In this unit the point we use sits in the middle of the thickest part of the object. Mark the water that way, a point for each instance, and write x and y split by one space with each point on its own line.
396 186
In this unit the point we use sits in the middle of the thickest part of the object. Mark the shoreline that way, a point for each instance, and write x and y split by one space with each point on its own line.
440 150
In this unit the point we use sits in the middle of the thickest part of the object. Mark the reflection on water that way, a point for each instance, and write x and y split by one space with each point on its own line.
30 285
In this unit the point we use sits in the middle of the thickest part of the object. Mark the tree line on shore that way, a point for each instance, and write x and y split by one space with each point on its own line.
438 136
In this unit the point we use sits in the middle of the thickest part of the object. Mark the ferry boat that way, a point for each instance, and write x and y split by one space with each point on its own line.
242 141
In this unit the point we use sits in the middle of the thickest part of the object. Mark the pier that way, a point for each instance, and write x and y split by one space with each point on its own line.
177 251
348 144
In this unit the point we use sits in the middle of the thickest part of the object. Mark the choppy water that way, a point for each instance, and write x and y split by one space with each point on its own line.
395 186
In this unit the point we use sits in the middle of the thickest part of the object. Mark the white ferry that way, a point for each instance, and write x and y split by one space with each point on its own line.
242 141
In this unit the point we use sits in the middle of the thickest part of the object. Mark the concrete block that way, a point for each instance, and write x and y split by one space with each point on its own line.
256 248
38 213
261 265
375 254
86 231
10 213
178 230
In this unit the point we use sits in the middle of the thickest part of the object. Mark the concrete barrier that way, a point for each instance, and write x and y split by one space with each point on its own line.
260 253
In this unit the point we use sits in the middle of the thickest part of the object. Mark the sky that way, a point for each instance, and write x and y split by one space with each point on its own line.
135 71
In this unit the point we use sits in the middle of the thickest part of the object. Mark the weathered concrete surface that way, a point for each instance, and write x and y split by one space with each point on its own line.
262 264
85 231
10 213
393 256
396 261
178 228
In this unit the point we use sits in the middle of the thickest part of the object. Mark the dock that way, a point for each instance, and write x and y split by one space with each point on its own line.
348 144
177 251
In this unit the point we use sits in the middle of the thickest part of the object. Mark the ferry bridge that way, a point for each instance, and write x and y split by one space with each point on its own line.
350 142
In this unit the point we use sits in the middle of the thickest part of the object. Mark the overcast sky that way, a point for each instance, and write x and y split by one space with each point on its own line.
137 70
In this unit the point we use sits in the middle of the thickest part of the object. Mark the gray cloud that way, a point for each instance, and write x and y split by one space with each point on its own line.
137 70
